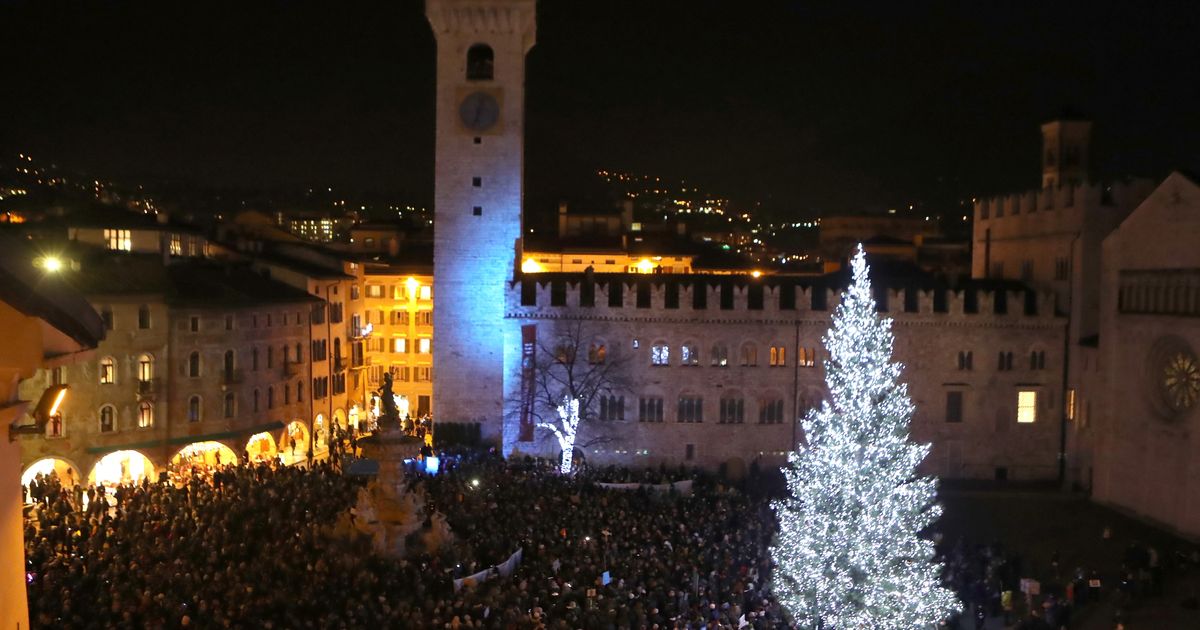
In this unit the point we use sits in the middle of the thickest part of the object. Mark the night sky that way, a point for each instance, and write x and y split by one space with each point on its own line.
804 106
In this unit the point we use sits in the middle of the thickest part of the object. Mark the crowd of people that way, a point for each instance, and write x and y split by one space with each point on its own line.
252 546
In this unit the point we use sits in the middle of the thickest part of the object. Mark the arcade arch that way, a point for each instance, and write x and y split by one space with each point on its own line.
261 448
121 467
201 457
293 443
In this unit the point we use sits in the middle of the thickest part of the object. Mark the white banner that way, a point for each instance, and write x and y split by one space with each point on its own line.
504 569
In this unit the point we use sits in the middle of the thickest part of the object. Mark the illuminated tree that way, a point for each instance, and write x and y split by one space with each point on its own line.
850 552
576 376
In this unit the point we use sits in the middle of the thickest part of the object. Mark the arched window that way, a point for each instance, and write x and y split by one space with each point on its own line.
287 393
228 366
770 410
299 391
720 355
733 408
108 419
194 409
194 365
144 317
230 406
480 61
271 397
145 368
337 351
660 353
1037 360
256 401
749 355
108 371
254 359
299 352
597 353
145 415
689 354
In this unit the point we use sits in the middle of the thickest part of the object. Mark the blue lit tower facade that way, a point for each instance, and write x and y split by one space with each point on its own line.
481 48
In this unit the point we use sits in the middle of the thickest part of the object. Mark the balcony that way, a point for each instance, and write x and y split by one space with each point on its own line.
339 363
146 390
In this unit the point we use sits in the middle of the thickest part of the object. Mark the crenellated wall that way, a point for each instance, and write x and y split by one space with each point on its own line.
953 345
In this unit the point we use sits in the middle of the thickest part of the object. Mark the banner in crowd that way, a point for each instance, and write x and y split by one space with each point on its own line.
682 487
504 569
528 374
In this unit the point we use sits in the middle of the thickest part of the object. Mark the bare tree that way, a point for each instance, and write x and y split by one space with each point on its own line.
576 377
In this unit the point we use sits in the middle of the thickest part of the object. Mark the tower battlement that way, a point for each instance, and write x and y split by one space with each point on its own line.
621 296
1068 197
482 16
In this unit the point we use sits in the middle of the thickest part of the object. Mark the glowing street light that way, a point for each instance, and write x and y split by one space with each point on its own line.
51 263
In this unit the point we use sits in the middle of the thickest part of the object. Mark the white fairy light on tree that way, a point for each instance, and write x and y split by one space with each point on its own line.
850 553
568 416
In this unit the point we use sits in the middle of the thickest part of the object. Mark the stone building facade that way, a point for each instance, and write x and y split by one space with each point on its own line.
1146 449
196 352
720 368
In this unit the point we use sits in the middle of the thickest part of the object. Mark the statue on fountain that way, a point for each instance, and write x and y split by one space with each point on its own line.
387 512
389 419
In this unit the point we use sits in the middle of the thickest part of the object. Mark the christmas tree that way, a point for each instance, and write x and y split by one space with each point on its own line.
850 554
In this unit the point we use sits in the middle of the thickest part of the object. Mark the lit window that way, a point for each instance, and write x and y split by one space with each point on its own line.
807 357
426 292
375 290
108 419
145 368
1071 404
778 356
720 356
176 245
145 415
597 353
423 345
400 345
1027 406
660 354
689 354
118 240
108 371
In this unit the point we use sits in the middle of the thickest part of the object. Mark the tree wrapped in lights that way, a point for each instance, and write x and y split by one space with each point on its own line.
575 377
850 554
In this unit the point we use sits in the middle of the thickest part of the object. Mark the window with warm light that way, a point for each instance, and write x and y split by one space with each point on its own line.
108 371
1027 406
426 293
807 357
778 356
118 240
145 415
720 356
424 345
399 345
1071 405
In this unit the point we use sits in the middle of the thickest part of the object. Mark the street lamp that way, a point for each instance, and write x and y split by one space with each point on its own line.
47 406
50 263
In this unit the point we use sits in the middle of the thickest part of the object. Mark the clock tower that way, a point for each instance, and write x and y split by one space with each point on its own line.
481 47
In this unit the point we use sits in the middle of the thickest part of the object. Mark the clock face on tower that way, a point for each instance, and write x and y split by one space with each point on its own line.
479 111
